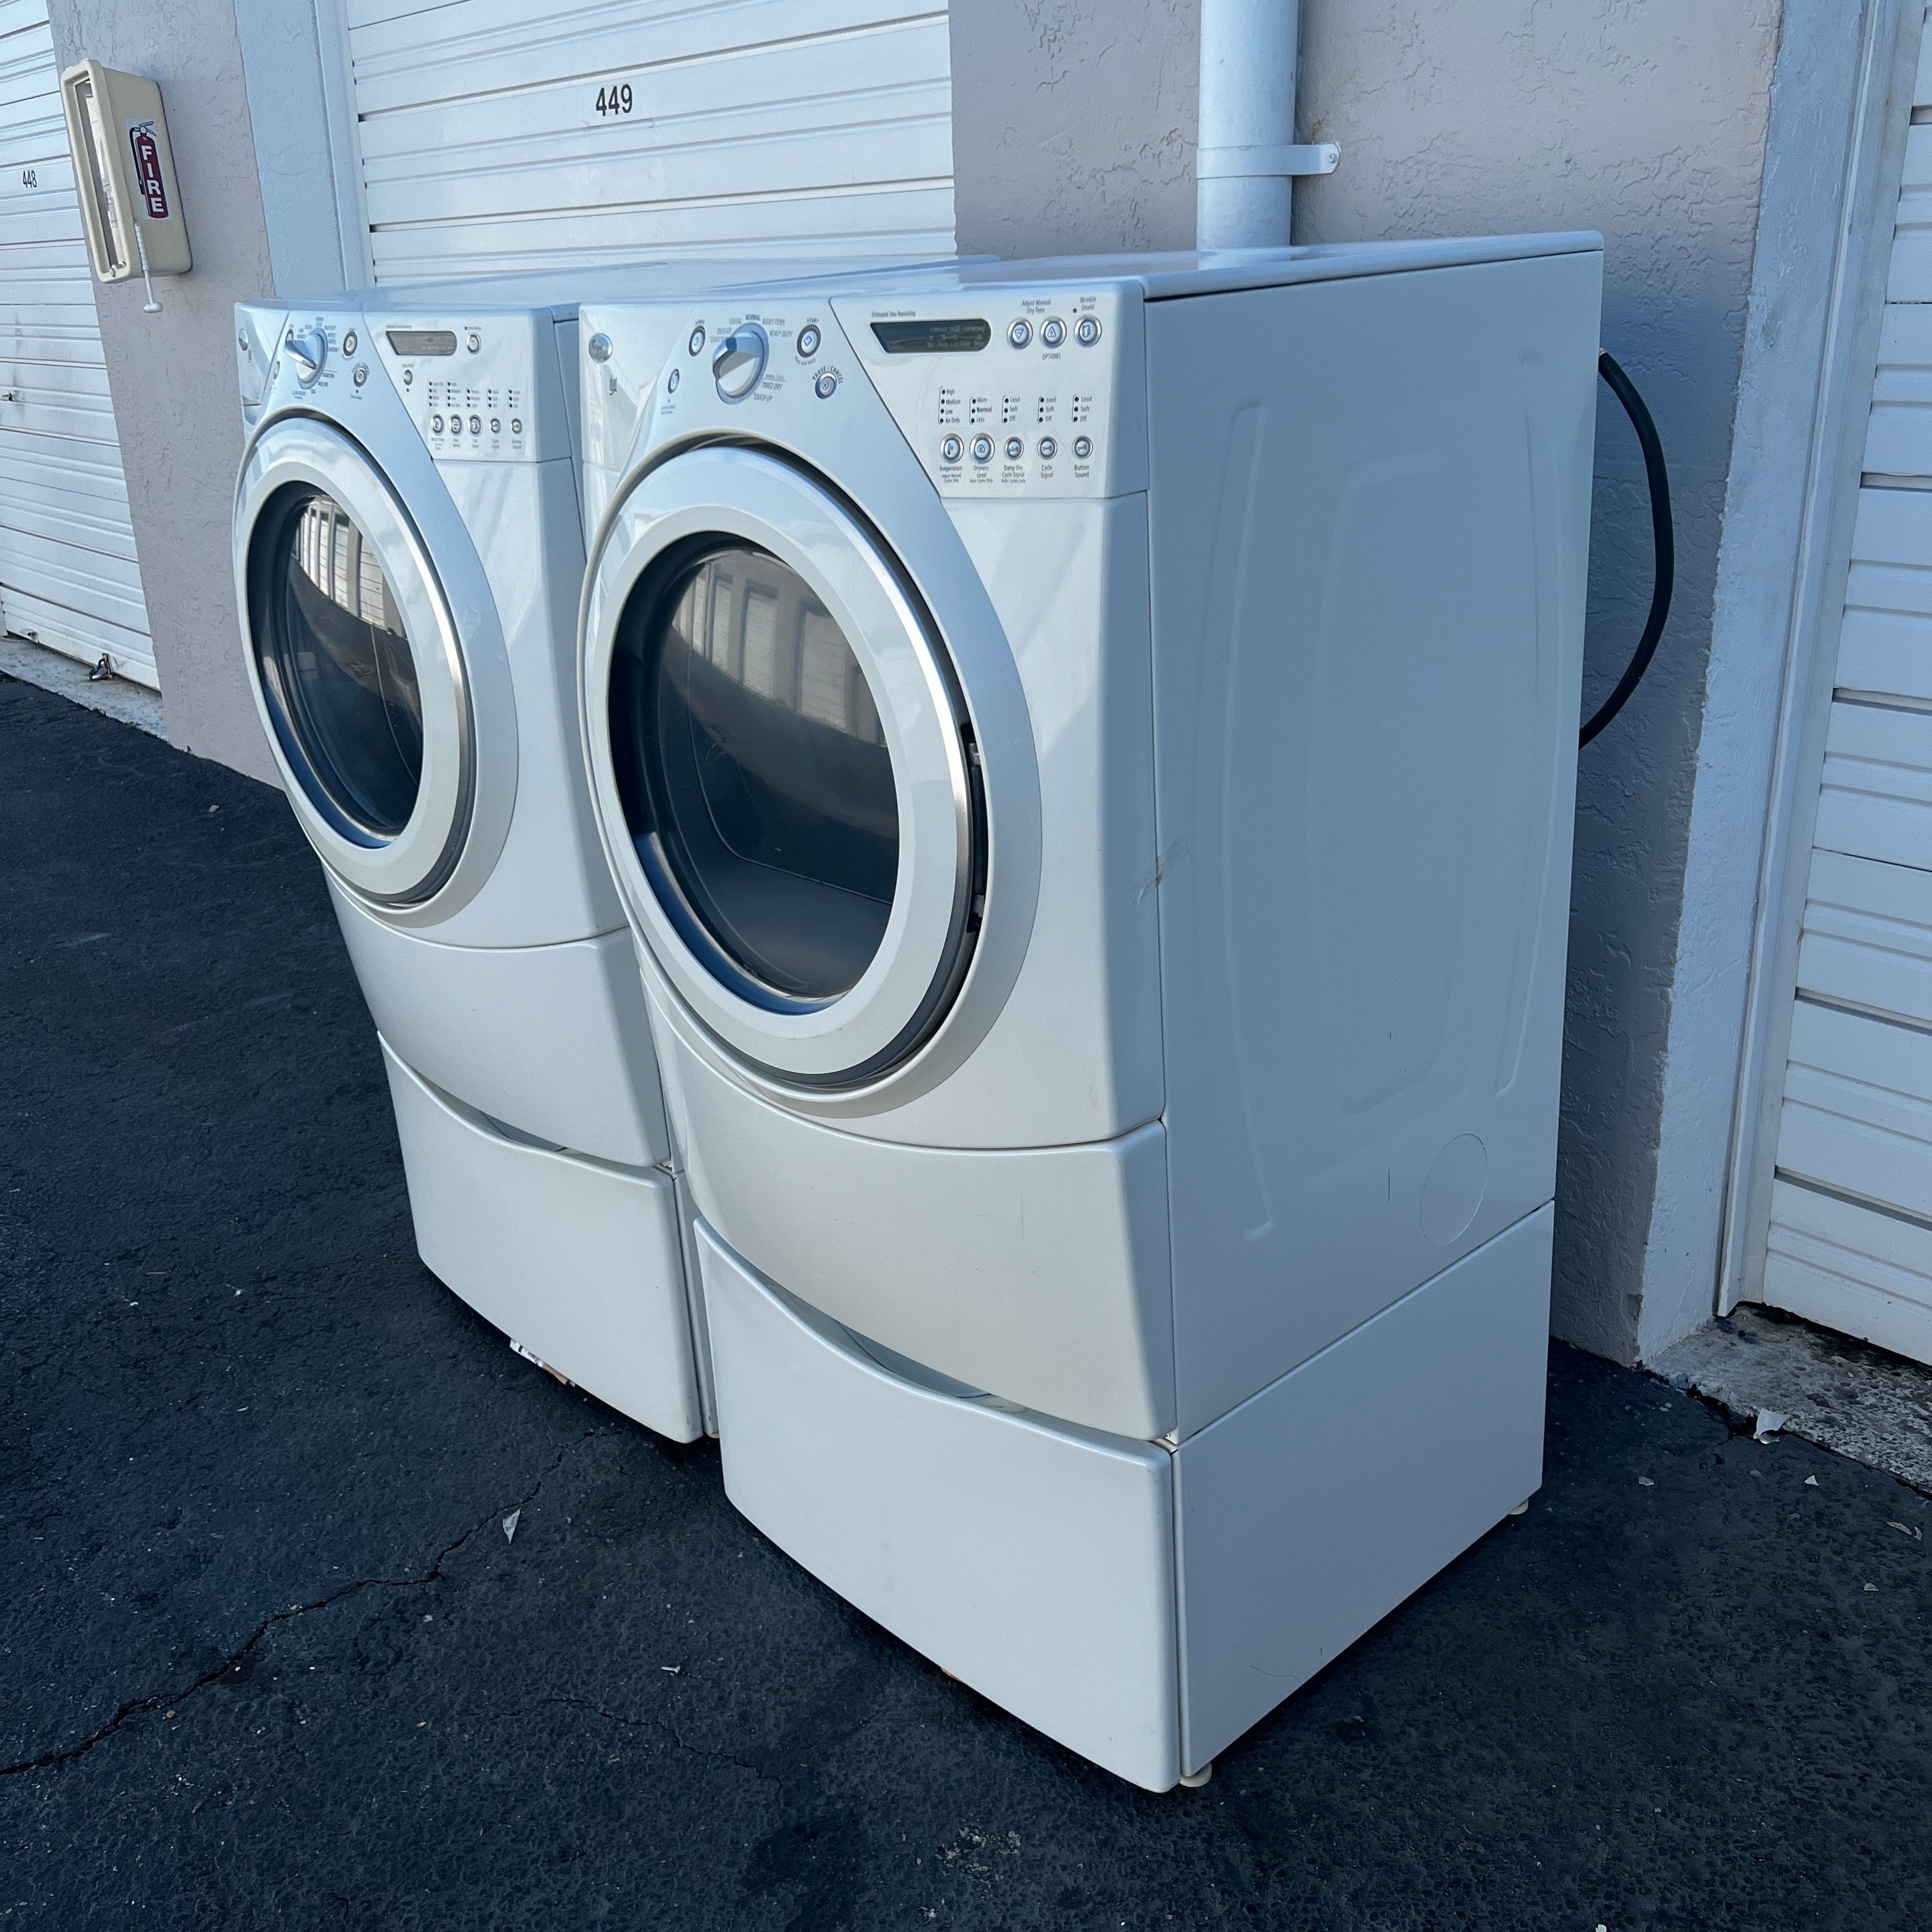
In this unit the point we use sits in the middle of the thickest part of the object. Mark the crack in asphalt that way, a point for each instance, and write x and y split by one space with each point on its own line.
136 1706
669 1731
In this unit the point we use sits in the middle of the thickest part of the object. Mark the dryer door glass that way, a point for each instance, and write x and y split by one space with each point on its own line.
336 662
756 779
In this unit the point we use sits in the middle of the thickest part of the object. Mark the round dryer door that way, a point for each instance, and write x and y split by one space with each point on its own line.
782 767
359 671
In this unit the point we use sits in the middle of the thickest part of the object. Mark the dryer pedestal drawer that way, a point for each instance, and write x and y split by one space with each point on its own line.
1144 1605
580 1262
554 1039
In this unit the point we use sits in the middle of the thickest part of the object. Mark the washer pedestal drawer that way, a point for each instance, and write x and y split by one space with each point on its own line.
579 1261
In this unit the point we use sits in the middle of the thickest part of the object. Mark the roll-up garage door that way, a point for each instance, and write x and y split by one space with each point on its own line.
503 135
1850 1239
68 576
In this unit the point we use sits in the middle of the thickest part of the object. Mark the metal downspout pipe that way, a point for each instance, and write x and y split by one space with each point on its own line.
1247 158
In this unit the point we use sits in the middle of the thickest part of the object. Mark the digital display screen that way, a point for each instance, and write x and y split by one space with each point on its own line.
963 336
423 341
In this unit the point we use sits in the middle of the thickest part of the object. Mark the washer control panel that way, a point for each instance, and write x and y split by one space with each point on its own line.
482 389
1009 392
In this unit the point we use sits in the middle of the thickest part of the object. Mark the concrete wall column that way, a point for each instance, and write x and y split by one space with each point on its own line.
172 375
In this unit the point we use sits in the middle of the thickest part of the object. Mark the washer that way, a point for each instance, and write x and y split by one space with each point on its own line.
409 554
1092 786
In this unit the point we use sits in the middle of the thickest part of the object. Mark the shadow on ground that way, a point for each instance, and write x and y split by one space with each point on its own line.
271 1661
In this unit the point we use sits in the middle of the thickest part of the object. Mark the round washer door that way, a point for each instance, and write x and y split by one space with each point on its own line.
782 768
359 669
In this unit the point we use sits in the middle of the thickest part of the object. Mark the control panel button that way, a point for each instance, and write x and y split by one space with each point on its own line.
1048 449
983 449
348 343
808 340
600 347
496 426
1052 332
951 449
1020 334
1083 447
361 373
1086 330
436 425
1015 449
696 344
740 361
475 425
825 385
516 425
672 381
473 341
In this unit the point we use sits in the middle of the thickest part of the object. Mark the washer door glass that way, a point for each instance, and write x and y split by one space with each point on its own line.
757 784
336 662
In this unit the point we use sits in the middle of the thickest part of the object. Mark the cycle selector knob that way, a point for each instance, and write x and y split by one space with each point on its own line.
983 449
308 352
951 449
739 363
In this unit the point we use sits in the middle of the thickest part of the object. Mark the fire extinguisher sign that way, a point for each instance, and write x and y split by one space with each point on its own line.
148 170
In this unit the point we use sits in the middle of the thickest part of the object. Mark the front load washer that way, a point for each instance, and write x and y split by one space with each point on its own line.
408 555
1088 750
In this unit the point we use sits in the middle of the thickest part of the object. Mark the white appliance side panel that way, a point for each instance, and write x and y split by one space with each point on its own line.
553 1040
1074 1054
551 883
1040 1275
1312 1511
1033 1563
1370 546
580 1263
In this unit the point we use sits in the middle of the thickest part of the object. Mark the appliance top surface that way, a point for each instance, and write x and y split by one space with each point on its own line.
1165 277
561 292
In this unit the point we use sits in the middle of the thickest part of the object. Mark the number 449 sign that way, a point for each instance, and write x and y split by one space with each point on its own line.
614 102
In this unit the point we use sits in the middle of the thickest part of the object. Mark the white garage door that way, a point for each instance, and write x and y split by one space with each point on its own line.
1850 1241
68 576
501 135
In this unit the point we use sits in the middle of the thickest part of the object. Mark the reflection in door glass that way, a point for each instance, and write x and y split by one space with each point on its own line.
755 771
336 661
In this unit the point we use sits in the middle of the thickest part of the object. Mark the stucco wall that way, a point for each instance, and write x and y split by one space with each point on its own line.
1646 122
172 375
1073 125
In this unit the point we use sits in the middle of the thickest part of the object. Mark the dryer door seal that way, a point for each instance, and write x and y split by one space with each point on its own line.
782 768
358 668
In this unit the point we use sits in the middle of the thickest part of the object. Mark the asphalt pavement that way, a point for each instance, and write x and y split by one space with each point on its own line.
268 1658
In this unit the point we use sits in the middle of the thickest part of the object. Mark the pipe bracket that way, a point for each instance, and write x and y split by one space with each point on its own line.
1266 161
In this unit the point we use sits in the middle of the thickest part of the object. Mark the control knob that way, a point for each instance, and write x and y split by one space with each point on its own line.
740 361
308 352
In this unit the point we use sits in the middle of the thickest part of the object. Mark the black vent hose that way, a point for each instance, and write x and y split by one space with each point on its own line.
1663 541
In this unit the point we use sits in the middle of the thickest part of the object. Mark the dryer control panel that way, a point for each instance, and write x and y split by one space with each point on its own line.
1006 392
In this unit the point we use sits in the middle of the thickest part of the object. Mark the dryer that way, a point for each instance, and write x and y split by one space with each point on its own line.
1088 751
409 554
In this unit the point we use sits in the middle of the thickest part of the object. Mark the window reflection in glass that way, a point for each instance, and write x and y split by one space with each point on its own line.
754 765
336 658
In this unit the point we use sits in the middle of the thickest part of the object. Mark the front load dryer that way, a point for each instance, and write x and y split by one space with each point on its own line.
1088 750
408 555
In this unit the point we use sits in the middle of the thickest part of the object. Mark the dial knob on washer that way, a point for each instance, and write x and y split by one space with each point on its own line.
308 352
740 361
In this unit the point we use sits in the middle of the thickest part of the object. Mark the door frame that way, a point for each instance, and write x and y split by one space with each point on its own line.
1835 156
